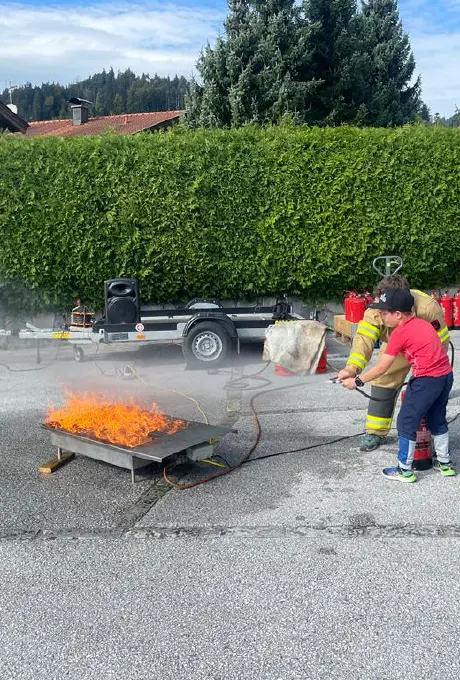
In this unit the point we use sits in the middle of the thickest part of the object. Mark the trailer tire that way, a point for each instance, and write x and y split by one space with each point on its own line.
207 344
79 354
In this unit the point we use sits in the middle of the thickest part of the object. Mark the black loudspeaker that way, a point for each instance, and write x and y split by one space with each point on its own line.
122 303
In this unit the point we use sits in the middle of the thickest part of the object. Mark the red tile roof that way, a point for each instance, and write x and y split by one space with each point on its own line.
125 124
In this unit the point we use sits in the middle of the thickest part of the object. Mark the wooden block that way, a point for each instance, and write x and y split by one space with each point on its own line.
55 463
344 330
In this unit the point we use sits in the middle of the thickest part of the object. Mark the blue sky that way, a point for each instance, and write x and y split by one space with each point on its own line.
64 40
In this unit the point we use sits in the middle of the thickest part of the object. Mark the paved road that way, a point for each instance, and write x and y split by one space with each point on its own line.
305 565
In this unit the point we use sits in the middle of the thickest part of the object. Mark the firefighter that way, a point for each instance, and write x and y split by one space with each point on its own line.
385 389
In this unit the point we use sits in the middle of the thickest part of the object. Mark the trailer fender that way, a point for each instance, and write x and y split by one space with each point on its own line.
221 319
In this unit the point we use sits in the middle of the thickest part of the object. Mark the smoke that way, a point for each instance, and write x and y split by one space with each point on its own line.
148 374
20 303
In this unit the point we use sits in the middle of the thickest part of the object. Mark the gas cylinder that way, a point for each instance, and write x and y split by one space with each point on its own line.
445 301
456 310
423 456
357 307
346 303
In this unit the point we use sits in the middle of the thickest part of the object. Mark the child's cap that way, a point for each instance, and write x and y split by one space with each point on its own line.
394 298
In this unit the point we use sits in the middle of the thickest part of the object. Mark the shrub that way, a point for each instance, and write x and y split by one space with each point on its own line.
228 213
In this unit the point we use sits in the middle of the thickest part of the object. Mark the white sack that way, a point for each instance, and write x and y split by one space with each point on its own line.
295 345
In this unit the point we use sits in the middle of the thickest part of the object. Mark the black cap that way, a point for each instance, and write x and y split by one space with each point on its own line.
396 299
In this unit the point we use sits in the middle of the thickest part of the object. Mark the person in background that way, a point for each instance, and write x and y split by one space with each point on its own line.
385 388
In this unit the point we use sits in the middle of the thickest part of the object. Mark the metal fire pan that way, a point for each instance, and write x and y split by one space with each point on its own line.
162 445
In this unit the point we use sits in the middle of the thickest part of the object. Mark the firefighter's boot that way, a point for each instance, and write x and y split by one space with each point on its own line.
370 442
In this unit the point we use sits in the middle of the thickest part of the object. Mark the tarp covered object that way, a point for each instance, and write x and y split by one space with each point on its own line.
295 345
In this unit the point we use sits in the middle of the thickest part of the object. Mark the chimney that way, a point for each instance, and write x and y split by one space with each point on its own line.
80 110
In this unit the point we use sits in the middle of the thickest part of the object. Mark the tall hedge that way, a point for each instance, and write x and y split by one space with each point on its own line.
228 213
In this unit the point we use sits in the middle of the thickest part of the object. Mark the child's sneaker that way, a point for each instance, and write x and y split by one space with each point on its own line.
446 469
399 474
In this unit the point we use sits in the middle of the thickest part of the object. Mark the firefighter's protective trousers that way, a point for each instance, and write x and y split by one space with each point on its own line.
372 329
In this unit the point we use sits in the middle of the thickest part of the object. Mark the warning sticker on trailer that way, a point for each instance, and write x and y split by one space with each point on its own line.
63 335
139 327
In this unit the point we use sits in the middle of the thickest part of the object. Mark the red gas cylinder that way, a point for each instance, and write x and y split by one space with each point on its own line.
445 302
357 307
346 303
423 456
456 310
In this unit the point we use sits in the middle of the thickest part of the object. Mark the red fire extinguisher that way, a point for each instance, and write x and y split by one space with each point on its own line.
423 454
346 303
357 307
456 310
445 302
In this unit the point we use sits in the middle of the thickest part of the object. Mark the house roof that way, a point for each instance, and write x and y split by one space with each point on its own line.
11 120
125 124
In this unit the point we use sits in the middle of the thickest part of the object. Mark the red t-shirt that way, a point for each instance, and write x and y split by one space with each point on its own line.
417 340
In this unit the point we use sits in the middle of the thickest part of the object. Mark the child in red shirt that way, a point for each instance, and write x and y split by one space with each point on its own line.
428 389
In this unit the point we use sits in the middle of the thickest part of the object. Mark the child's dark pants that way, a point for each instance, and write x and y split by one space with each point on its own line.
425 396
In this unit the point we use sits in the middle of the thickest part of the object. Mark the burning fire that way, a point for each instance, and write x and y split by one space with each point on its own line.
126 424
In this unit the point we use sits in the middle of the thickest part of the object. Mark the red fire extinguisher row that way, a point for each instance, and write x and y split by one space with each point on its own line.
355 305
446 302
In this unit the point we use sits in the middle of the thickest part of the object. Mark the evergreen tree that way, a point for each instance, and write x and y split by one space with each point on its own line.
425 114
99 106
336 60
388 96
453 121
37 105
258 72
117 104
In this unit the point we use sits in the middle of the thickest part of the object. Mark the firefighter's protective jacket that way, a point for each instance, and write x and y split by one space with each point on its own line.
372 328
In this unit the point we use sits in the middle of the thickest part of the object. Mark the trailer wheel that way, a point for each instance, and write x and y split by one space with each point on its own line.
79 354
207 343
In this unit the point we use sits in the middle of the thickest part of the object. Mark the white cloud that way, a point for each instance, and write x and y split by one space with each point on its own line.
61 44
434 31
437 56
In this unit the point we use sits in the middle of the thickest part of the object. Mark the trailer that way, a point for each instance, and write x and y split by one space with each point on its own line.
206 330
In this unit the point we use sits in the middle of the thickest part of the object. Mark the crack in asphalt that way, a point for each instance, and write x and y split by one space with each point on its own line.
134 513
307 531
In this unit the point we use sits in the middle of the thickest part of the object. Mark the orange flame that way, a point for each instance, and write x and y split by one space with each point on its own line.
126 424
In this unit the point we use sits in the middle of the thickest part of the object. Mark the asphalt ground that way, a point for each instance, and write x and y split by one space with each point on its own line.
301 565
